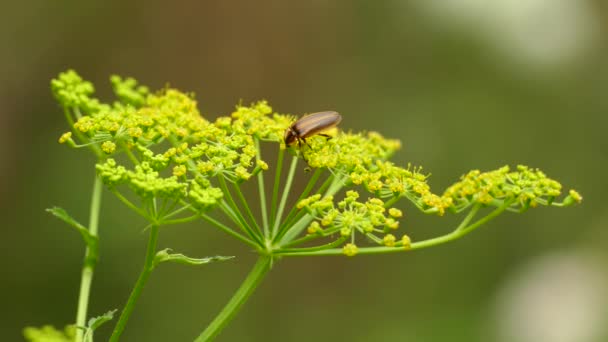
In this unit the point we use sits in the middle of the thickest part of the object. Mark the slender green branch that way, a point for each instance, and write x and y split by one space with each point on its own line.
295 230
301 240
328 181
177 211
262 192
292 232
180 220
337 184
129 154
457 233
236 212
229 212
288 182
230 231
248 211
88 268
260 269
131 206
302 218
332 244
391 201
139 285
277 183
292 215
469 217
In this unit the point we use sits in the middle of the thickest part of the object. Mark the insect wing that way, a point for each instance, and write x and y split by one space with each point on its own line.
316 122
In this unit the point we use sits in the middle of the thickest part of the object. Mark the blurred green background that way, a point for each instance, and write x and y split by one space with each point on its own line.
463 84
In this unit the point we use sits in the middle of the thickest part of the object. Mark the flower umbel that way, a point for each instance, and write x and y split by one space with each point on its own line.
171 165
175 154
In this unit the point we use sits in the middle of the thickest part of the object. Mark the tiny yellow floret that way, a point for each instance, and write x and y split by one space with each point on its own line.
389 240
407 242
314 228
135 132
179 170
394 212
575 196
108 147
262 164
65 137
350 249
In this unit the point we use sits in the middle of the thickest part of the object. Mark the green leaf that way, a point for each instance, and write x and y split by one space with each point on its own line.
96 322
48 333
165 255
61 214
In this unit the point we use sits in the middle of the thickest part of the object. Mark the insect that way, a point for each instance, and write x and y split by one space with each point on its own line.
310 125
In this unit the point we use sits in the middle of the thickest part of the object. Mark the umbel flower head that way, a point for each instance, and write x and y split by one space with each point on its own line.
158 145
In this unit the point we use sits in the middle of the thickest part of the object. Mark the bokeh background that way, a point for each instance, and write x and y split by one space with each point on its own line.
463 83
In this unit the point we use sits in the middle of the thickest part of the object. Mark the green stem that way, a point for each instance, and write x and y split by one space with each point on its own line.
91 253
130 154
176 211
234 210
333 244
130 205
290 176
262 266
248 211
297 228
459 232
292 216
262 191
277 183
231 232
180 220
139 285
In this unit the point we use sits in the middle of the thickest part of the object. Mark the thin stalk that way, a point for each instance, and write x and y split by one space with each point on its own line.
236 212
302 240
176 211
129 154
302 223
302 218
391 201
229 230
260 269
262 191
290 176
139 285
131 206
180 220
248 211
459 232
326 184
314 248
229 212
88 268
292 215
277 183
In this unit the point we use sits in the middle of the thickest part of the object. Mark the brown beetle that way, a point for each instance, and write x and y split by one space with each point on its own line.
310 125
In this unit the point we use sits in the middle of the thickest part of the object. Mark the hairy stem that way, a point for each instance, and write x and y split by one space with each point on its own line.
90 260
261 267
139 285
